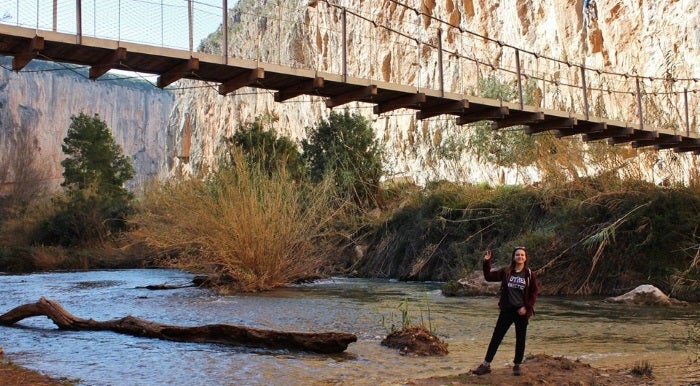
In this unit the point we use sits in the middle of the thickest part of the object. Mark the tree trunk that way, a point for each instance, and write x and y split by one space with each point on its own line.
321 342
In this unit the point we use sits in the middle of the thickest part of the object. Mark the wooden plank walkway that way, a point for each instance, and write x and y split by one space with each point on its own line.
101 55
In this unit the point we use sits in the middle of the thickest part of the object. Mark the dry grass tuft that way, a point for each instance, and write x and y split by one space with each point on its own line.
261 230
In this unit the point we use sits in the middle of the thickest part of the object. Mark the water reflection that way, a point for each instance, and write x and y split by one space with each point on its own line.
599 333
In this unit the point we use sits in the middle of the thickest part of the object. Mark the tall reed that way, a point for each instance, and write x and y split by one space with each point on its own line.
260 229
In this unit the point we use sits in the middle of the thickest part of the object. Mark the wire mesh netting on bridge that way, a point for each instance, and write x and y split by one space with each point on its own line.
390 41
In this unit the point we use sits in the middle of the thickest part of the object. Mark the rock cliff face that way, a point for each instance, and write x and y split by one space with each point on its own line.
180 131
40 100
635 37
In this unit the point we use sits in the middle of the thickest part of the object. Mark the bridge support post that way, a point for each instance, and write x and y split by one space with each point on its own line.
344 18
687 118
639 105
585 91
79 21
520 80
440 69
189 24
224 26
55 15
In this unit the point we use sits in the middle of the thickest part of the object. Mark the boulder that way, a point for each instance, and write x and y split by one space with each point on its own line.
646 294
472 285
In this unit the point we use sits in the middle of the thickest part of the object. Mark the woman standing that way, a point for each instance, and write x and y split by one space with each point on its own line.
519 292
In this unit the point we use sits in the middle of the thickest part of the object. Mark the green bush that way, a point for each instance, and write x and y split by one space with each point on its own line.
83 217
254 229
587 237
93 159
344 147
262 147
96 204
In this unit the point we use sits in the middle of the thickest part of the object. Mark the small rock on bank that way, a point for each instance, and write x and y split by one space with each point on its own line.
646 294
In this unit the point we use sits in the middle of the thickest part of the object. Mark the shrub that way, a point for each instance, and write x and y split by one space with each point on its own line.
96 204
642 369
83 216
261 146
258 229
345 148
93 159
22 177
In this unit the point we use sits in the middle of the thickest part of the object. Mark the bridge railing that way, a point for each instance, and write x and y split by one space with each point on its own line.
175 24
427 53
405 47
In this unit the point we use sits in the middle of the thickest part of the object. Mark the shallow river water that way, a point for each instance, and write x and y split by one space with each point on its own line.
599 333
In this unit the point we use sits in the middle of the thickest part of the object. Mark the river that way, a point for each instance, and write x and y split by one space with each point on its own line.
602 334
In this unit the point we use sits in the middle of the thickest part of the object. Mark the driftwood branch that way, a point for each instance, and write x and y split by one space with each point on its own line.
155 287
321 342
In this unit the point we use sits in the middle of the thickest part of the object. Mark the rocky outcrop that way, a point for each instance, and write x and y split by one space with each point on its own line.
181 131
472 285
624 36
40 100
646 295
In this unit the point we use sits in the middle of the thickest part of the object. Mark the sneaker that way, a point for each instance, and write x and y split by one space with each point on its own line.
516 370
482 369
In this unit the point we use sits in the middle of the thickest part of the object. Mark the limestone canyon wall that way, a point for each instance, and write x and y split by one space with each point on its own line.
179 131
635 37
40 100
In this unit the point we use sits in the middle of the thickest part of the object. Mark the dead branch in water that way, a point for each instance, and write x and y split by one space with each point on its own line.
320 342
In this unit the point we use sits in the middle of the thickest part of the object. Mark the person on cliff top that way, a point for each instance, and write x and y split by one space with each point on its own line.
589 11
519 290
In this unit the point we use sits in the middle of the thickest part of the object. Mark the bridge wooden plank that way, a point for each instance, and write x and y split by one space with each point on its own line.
475 114
518 118
410 101
28 53
309 86
450 107
358 94
685 143
107 63
584 127
663 139
616 131
247 78
551 123
636 135
178 72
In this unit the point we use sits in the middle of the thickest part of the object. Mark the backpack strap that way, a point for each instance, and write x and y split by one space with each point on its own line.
527 280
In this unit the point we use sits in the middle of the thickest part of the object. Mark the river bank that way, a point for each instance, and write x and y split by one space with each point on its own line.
546 370
604 335
542 369
13 375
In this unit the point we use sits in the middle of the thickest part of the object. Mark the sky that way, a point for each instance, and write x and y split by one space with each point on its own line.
163 23
158 22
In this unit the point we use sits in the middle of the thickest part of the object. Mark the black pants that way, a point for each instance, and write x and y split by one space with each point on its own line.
505 319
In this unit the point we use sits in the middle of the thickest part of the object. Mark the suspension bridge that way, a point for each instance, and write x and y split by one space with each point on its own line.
434 68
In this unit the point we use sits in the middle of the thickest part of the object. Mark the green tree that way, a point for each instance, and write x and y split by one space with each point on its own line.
344 145
93 158
262 147
96 204
504 147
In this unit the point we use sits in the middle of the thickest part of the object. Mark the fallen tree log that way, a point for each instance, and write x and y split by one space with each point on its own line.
320 342
156 287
